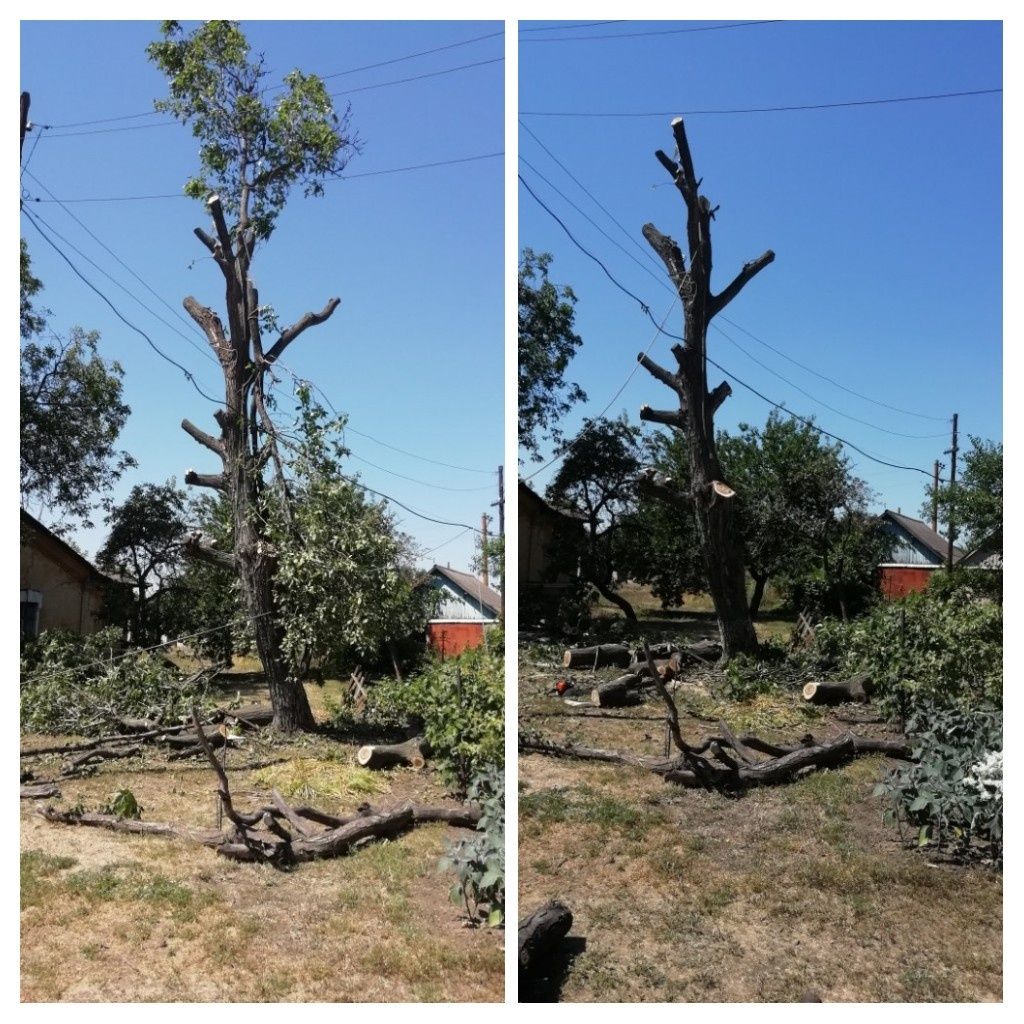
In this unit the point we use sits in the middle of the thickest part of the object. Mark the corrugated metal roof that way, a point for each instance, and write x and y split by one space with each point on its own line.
472 587
923 534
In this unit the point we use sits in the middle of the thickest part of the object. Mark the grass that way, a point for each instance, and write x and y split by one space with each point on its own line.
312 780
759 892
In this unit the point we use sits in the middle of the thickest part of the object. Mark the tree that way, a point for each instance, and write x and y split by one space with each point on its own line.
252 154
547 343
711 499
976 500
596 484
789 483
72 413
144 547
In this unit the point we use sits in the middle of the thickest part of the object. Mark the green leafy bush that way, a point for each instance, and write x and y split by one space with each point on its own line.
479 863
124 805
978 583
461 702
951 795
748 676
83 684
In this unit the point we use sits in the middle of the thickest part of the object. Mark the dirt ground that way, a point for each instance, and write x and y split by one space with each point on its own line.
110 917
792 893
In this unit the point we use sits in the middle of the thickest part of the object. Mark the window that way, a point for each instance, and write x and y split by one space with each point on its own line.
31 602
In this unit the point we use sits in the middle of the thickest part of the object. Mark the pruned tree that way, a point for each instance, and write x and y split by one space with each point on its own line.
252 154
708 494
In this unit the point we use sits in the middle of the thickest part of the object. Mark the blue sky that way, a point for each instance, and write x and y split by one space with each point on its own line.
414 352
886 220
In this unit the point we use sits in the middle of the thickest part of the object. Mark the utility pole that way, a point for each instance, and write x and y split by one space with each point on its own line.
935 497
25 101
500 503
483 545
951 524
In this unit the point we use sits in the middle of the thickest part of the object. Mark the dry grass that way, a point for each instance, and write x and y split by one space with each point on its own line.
791 893
109 917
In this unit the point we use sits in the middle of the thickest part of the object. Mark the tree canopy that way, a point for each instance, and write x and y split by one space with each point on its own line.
976 501
547 343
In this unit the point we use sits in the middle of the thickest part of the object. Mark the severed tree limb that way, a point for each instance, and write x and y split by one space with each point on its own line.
750 270
670 380
717 396
667 417
291 333
40 791
216 481
206 440
196 547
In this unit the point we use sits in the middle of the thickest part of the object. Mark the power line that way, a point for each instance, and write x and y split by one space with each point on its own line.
577 24
342 177
762 110
445 543
138 330
655 32
414 480
676 337
333 95
38 129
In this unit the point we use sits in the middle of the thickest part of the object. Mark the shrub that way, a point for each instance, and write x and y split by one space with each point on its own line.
748 676
977 583
479 863
461 702
952 794
83 684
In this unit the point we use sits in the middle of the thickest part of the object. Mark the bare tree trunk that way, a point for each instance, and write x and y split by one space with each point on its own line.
757 596
713 507
246 445
618 600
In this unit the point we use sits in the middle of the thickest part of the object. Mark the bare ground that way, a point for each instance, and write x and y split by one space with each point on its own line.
110 917
784 894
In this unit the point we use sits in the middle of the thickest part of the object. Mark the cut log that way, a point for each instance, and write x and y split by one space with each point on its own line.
704 650
616 655
213 735
540 933
839 691
411 753
618 693
668 668
253 714
40 791
658 651
97 755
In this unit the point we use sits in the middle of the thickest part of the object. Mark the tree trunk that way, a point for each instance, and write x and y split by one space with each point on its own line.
617 693
411 753
712 499
757 595
539 934
618 600
839 691
616 655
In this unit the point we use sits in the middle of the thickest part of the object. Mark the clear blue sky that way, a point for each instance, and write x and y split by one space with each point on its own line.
886 220
414 352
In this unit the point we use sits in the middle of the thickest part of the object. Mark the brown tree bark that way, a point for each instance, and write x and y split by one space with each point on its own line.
246 445
713 507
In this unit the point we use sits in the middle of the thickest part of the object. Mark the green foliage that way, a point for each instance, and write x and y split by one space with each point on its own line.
345 584
32 320
461 702
71 416
976 500
479 863
123 804
951 795
144 546
924 647
748 676
83 684
251 152
547 343
983 584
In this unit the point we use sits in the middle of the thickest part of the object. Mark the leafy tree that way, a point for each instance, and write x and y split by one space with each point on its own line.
144 547
547 343
789 482
976 501
596 483
32 320
492 554
253 152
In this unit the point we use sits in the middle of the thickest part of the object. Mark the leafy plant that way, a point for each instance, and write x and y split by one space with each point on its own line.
124 805
81 684
479 863
951 795
461 702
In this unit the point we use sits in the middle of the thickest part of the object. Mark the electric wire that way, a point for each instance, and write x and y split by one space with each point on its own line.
656 32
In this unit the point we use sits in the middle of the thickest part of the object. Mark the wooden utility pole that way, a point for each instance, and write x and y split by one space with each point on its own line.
710 499
501 533
483 546
935 497
951 525
26 100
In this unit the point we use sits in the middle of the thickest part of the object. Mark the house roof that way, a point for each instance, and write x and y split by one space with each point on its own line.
545 508
76 558
472 587
923 534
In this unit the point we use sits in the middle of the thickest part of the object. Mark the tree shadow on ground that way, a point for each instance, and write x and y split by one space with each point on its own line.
546 986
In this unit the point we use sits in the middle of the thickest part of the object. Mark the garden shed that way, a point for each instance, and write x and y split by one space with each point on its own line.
917 552
466 608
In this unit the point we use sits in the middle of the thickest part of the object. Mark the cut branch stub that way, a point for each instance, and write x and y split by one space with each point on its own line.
666 417
670 380
539 934
839 691
411 753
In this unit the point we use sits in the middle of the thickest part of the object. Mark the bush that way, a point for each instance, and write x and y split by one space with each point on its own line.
479 863
84 684
946 649
461 702
748 676
981 584
952 795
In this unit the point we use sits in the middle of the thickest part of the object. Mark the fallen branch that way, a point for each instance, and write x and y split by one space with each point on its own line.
97 755
540 933
40 791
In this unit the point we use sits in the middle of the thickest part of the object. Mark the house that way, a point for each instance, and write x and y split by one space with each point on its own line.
539 524
465 609
917 552
987 555
60 589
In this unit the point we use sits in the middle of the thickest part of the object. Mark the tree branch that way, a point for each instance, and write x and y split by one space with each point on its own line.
196 547
217 212
667 417
659 486
718 396
749 271
671 255
210 323
670 380
309 320
214 480
205 439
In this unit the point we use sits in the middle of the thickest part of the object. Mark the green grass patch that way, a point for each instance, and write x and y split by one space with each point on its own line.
587 806
37 871
309 779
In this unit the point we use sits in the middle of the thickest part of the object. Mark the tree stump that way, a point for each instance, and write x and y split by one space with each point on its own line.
412 753
617 693
839 691
616 655
540 933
